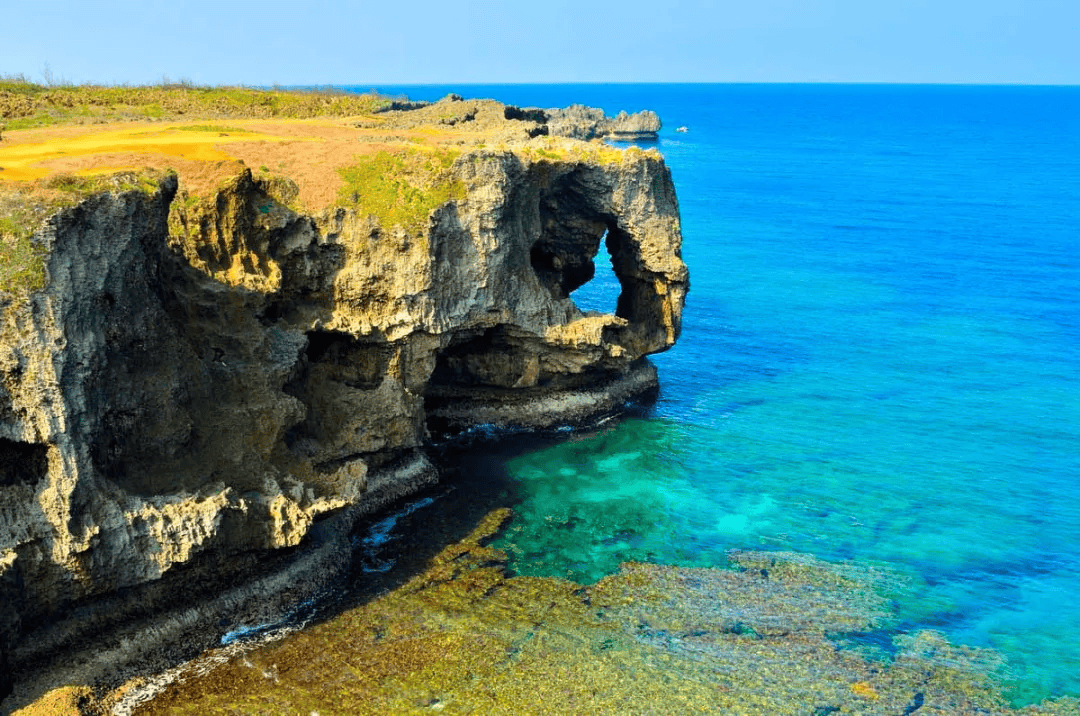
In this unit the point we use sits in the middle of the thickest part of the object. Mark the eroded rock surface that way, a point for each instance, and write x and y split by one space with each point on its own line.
574 122
581 122
198 385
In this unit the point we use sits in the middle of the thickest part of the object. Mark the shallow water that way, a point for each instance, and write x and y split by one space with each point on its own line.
878 363
877 371
776 634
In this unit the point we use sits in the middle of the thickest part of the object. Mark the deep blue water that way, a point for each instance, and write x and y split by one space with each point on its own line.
878 363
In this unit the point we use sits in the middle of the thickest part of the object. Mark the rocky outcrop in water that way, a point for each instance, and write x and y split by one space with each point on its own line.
203 393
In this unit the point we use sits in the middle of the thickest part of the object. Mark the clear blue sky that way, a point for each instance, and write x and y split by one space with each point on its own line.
411 41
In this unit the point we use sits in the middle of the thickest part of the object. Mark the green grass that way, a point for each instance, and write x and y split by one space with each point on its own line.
38 120
24 104
400 189
22 260
78 187
592 152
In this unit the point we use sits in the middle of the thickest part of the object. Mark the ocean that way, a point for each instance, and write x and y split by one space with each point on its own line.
878 368
879 358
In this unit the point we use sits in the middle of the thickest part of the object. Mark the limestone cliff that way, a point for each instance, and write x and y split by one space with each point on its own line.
575 122
200 381
581 122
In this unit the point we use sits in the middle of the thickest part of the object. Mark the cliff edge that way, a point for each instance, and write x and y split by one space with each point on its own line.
205 388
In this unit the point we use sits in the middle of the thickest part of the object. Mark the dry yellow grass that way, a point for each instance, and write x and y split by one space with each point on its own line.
25 156
313 147
65 701
311 152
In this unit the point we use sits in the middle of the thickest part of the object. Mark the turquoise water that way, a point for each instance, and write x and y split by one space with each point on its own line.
878 363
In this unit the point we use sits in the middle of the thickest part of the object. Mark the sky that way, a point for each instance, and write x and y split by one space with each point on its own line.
353 42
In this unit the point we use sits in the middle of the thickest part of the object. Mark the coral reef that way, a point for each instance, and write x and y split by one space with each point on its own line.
777 634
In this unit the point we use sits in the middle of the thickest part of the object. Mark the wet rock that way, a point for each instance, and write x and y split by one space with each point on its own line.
465 635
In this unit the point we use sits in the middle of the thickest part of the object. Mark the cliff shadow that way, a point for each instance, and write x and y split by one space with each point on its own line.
393 545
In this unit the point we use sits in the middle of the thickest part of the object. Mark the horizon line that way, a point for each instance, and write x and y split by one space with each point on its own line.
473 83
665 82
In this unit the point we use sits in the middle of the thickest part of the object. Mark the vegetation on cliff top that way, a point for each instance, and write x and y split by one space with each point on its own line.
400 188
22 261
393 167
22 212
595 152
25 104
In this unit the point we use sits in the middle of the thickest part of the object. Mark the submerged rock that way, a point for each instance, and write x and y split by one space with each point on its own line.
465 637
200 393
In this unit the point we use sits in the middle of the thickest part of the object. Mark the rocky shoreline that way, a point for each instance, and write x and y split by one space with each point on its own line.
776 633
148 629
200 391
574 122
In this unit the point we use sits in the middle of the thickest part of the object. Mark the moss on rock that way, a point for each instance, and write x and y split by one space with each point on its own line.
400 188
465 637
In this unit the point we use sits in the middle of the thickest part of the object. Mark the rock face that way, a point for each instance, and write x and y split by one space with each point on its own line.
639 126
193 387
581 122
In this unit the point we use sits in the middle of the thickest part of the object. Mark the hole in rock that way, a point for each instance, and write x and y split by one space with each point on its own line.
559 270
583 251
272 314
485 359
22 463
321 342
601 293
344 359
